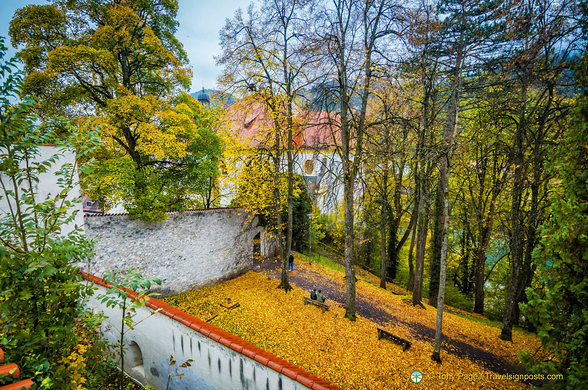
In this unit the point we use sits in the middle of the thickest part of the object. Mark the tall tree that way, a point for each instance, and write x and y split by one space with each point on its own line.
422 67
266 54
557 305
349 32
545 37
116 65
388 143
483 170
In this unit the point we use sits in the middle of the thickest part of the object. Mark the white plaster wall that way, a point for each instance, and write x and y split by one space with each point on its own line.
215 366
188 250
48 185
327 174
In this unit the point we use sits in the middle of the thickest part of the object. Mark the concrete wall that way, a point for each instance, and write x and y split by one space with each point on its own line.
48 185
190 249
220 360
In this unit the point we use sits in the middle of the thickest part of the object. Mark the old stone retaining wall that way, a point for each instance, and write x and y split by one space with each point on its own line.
190 249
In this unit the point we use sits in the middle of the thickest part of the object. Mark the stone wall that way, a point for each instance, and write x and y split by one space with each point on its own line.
188 250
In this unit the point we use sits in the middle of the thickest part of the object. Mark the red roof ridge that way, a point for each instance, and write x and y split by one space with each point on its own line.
12 370
235 343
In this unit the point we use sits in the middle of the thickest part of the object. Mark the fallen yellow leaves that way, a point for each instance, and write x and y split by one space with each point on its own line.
347 353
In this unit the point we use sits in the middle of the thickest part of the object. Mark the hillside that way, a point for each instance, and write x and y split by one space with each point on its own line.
349 354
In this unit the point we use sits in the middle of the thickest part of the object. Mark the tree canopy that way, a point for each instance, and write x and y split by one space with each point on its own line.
117 66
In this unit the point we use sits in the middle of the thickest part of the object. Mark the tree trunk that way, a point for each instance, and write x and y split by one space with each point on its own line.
410 284
436 242
383 223
441 294
284 280
449 133
516 237
349 252
422 228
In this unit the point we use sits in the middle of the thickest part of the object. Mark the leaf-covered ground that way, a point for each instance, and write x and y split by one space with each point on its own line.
347 353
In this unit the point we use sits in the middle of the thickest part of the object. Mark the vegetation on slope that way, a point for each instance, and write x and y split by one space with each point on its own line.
347 353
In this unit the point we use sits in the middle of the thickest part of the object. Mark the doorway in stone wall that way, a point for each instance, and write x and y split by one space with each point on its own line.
257 247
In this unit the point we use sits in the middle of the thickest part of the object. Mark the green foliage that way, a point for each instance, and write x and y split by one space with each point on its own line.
174 369
558 309
330 228
120 62
118 297
41 290
454 298
301 207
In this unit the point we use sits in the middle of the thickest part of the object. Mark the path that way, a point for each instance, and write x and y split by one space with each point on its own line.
335 291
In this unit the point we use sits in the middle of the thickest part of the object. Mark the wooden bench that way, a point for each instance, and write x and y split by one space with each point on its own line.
398 340
322 305
236 305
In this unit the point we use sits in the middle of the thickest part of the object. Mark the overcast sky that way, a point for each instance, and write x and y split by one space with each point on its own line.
200 22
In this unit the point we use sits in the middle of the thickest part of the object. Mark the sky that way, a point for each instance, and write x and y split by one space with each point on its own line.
200 23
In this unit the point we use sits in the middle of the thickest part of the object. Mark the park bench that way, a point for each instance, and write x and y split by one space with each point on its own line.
229 306
322 305
398 340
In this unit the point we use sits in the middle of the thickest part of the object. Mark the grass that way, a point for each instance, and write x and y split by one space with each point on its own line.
325 262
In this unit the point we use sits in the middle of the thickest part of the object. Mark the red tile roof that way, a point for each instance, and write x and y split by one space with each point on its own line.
13 371
251 122
235 343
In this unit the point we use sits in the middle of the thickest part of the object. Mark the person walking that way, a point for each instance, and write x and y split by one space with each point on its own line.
291 262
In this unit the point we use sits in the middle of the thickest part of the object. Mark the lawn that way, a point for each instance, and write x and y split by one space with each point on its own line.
347 353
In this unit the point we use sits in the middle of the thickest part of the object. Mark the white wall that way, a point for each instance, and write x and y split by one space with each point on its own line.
48 185
215 365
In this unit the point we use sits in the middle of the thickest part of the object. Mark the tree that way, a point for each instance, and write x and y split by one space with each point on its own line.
422 68
263 54
117 66
545 38
42 295
483 170
388 144
349 34
557 307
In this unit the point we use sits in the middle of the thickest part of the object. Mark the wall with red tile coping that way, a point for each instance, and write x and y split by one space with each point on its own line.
236 344
13 371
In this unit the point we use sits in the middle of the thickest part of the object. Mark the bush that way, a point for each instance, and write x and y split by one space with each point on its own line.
41 290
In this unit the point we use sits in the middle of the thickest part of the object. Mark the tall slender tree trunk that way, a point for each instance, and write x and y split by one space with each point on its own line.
449 134
516 237
410 283
285 280
349 252
437 243
383 223
422 228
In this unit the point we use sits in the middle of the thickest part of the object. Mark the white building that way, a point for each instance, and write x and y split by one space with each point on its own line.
47 187
251 127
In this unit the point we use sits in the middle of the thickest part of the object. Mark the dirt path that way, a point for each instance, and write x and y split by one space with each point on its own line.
334 290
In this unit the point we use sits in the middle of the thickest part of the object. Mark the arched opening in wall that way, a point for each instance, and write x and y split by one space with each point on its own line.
257 247
134 362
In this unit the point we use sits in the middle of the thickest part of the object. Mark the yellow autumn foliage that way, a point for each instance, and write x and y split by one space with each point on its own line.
347 353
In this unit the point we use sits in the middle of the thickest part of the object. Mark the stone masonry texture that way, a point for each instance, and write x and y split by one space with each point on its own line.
190 249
